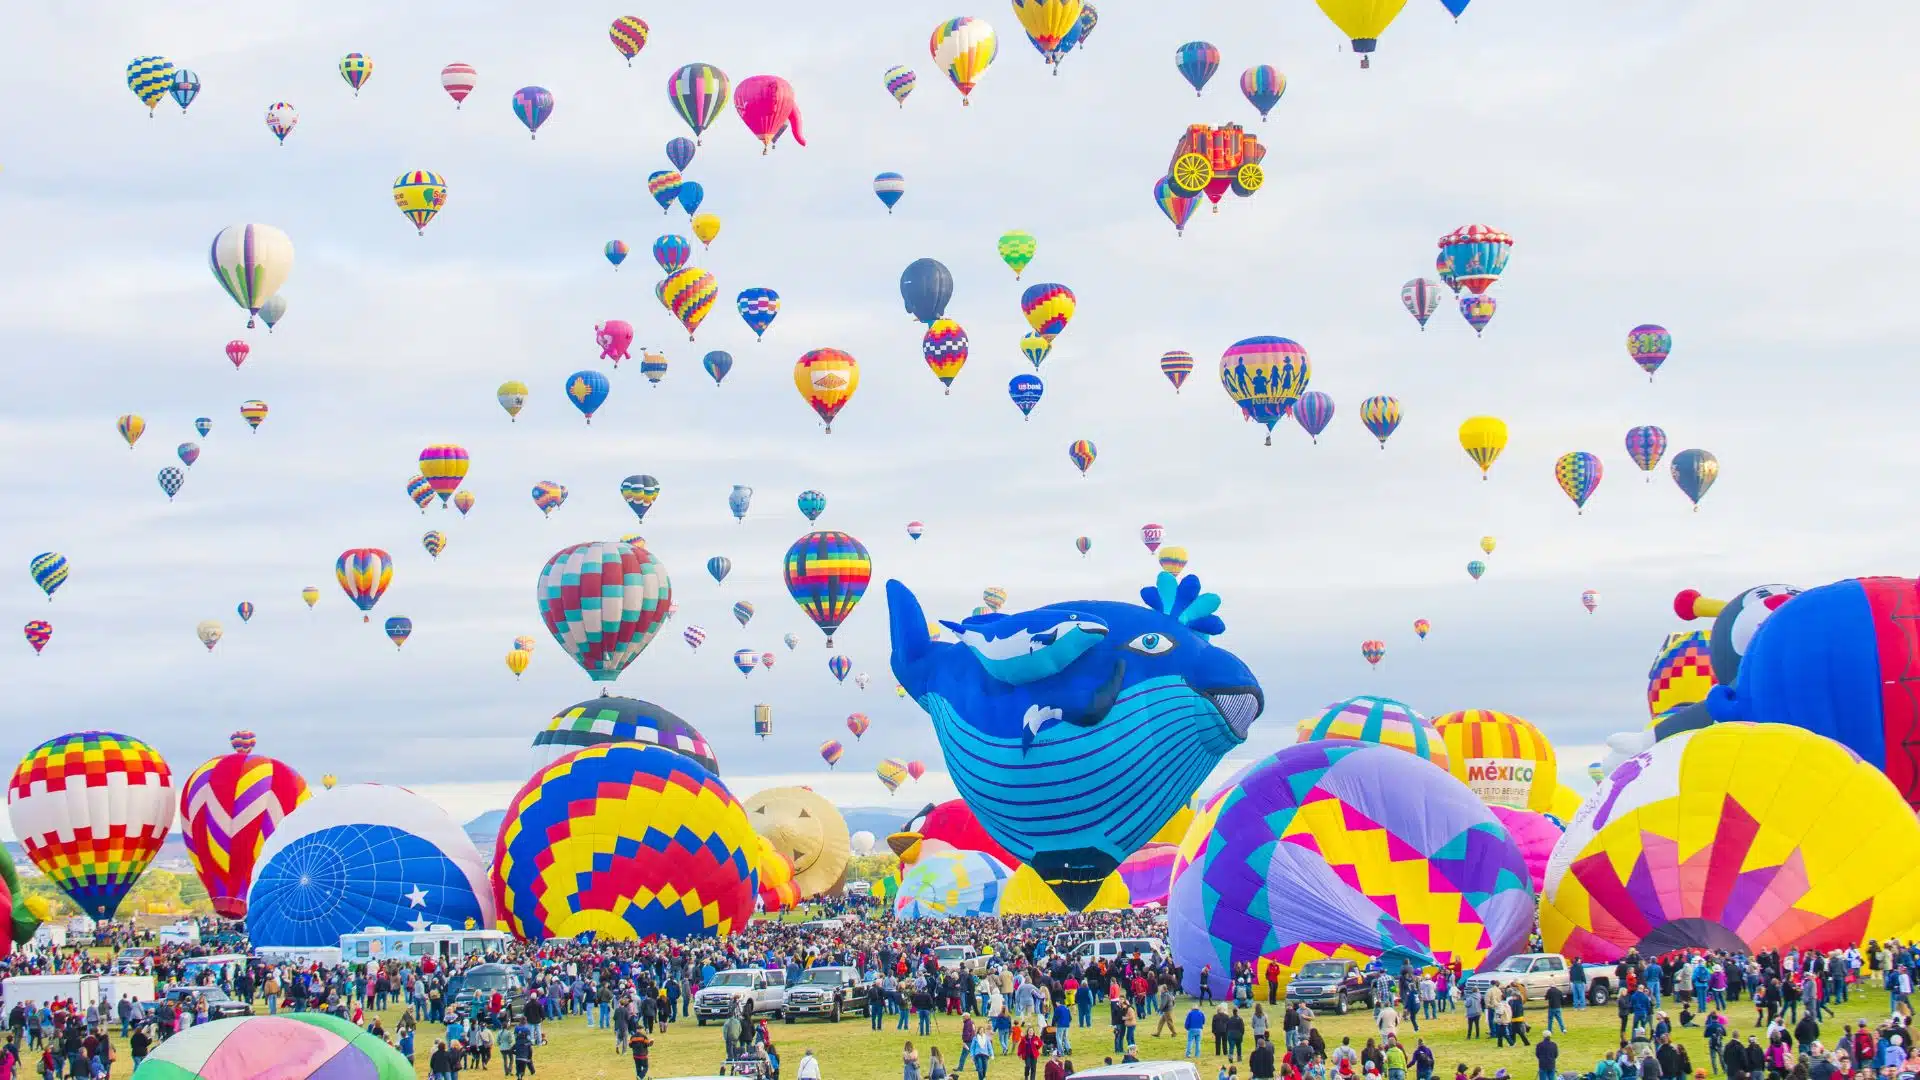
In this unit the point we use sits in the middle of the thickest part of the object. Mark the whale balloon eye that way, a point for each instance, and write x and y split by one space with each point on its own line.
1151 644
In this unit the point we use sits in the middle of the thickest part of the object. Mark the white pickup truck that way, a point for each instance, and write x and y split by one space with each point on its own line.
959 958
1535 972
716 1000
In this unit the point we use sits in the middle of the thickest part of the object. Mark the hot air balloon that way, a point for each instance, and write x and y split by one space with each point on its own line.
689 294
237 352
1313 412
915 530
512 396
826 379
588 391
1579 476
1196 61
1083 544
203 425
1175 203
758 306
209 632
994 597
916 769
1645 445
364 574
706 226
1420 627
615 338
1035 348
963 48
765 104
517 661
680 151
719 567
654 366
1082 453
1262 86
131 427
698 93
858 724
831 751
49 571
434 541
664 186
1476 568
254 413
1505 760
926 285
1048 308
900 82
792 641
1176 365
532 104
525 642
1150 536
282 118
639 492
150 77
892 773
38 632
419 195
356 69
694 636
251 262
604 602
629 35
458 81
1363 21
1649 345
311 594
1051 25
691 196
717 364
1017 249
743 612
171 479
1487 544
672 252
444 465
888 187
463 502
812 504
1374 651
827 574
738 500
944 347
1695 471
1590 600
399 629
420 490
1265 376
1422 298
1478 311
839 667
1025 392
1475 254
1483 437
92 809
744 659
1173 560
549 496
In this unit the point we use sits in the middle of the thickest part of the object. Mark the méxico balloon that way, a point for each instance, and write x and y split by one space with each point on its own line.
1503 759
92 808
625 841
229 806
1344 850
1048 717
365 855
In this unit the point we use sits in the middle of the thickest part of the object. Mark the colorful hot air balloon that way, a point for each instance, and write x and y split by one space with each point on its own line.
1475 569
1176 204
463 502
888 187
639 492
1478 311
203 425
694 636
1590 599
434 542
698 93
1051 25
1017 249
532 104
629 35
1313 412
458 81
1173 560
549 496
1374 651
839 667
744 659
1649 345
1595 772
1082 453
588 391
944 347
1265 376
1646 444
826 379
92 809
1422 298
1025 391
689 294
654 366
812 504
664 186
758 306
1048 308
765 104
830 752
604 602
672 252
356 69
892 773
1483 437
251 262
717 364
184 88
926 285
399 629
1035 348
680 151
310 594
1150 536
1176 365
39 631
963 48
131 427
1505 760
719 567
419 195
1695 471
1263 85
1421 627
994 597
237 352
525 642
364 574
826 574
512 396
743 612
1363 21
1579 475
900 82
254 413
1476 255
444 465
49 571
1083 544
171 479
149 77
282 118
1196 61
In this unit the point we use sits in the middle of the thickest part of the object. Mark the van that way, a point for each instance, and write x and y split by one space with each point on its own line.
1117 948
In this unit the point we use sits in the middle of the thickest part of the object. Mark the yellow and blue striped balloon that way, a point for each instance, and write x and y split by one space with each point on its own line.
150 77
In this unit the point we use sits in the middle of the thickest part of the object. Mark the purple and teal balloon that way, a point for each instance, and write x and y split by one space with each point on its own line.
1025 390
1649 346
1476 568
1314 411
532 104
617 252
758 306
1263 86
680 151
699 94
1646 445
1197 61
840 666
672 252
189 453
888 187
1579 476
812 504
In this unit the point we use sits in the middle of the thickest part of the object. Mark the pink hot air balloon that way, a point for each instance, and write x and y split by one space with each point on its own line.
237 351
765 104
457 80
614 336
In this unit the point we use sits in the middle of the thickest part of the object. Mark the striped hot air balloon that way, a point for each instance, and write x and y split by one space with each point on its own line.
228 808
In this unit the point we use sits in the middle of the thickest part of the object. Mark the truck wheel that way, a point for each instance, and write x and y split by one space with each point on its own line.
790 1018
1597 994
700 1021
1342 1007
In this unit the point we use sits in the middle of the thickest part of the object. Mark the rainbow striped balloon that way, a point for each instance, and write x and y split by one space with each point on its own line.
827 573
92 809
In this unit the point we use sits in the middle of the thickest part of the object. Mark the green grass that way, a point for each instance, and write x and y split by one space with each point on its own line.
852 1051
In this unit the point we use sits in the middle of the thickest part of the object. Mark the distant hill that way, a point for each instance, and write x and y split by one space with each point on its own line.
484 829
878 820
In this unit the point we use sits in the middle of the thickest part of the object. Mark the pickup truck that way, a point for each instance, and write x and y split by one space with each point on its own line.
716 1000
219 1005
1330 984
959 958
827 992
1535 972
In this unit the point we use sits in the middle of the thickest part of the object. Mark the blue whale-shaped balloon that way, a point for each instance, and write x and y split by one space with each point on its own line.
1075 731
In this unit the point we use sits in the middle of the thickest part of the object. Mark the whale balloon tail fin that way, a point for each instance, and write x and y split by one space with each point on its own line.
907 625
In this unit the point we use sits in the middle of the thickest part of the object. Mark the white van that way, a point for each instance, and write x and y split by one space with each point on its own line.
1118 949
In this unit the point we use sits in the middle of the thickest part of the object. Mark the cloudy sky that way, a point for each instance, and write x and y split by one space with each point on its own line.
1715 166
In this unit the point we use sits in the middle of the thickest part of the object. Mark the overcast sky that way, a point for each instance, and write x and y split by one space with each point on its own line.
1723 168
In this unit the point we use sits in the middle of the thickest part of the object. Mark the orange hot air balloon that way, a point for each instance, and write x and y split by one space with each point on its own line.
827 378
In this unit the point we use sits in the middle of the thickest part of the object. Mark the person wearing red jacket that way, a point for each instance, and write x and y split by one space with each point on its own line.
1029 1052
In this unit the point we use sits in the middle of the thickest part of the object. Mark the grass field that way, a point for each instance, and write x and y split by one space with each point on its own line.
852 1051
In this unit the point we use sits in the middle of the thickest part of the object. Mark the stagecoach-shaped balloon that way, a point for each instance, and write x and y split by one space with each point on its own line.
1215 160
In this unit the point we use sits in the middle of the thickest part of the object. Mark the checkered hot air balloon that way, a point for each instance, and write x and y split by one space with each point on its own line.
604 602
758 307
92 808
826 574
1578 474
228 808
689 293
356 69
944 347
964 48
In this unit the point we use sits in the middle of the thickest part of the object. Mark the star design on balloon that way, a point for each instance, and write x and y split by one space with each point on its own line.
417 898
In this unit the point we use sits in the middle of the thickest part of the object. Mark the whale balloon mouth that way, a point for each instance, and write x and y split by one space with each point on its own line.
1239 706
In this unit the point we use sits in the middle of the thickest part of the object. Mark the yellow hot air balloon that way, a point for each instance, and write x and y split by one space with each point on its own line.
1362 20
706 226
1486 543
328 780
1483 437
517 661
419 195
1047 23
131 426
311 594
512 396
826 378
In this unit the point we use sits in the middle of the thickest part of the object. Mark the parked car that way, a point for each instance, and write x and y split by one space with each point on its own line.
219 1005
717 999
1330 984
1535 972
469 992
1118 948
826 991
959 958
